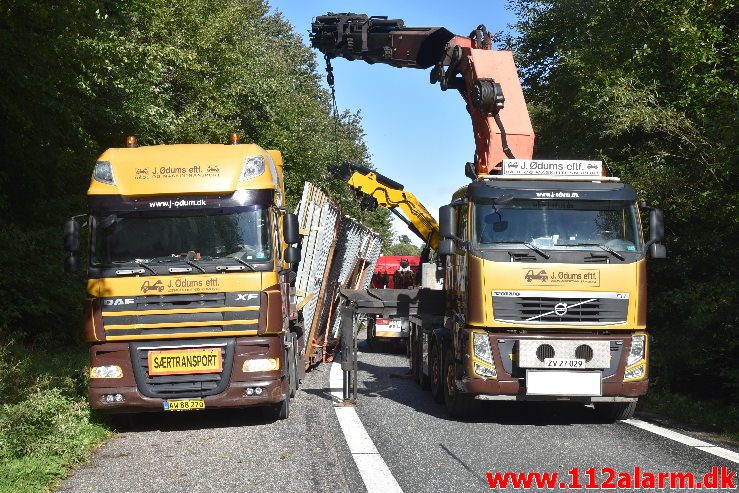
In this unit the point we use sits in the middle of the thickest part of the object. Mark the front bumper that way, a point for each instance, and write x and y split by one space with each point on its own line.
233 396
510 383
139 396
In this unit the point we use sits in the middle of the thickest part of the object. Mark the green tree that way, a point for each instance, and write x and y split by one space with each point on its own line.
650 88
403 247
78 76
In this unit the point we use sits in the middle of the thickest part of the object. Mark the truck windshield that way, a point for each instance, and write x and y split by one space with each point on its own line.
558 225
243 233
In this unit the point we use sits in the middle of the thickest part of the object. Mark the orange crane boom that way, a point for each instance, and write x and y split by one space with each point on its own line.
487 79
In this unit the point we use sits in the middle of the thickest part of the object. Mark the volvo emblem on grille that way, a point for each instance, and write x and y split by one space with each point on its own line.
560 309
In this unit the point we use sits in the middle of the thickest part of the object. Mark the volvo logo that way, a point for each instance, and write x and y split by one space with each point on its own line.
560 309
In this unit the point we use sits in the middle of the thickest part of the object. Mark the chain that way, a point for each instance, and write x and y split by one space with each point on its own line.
330 80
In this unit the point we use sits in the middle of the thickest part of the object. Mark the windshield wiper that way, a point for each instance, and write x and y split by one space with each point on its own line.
242 262
526 243
132 271
602 247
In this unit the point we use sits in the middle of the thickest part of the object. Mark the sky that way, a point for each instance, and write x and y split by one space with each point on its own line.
417 134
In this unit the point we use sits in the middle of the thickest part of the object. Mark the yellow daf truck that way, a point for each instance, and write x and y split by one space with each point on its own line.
189 277
546 283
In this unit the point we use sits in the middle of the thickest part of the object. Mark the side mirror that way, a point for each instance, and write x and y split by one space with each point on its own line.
290 228
72 236
447 222
657 250
71 264
292 255
446 247
656 226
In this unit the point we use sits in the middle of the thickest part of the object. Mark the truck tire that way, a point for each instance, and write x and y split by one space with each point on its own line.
458 405
437 374
278 411
614 411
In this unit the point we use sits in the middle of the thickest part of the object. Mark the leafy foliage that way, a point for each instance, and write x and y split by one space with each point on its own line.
79 75
403 247
650 88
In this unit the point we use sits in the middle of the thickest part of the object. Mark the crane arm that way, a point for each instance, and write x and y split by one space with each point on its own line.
487 79
375 190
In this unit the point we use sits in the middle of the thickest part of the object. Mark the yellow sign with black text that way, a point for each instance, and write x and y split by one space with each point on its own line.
561 277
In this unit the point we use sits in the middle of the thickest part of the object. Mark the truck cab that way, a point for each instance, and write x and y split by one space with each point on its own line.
546 292
189 279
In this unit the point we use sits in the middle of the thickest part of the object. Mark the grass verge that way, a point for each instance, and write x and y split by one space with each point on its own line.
709 415
45 422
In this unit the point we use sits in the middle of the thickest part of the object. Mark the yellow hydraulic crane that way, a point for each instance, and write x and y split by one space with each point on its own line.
374 190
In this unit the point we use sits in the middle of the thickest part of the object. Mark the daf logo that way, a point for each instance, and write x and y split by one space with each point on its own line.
560 309
119 302
246 296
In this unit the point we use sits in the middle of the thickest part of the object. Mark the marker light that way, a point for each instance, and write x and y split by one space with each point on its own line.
103 172
234 139
109 371
634 373
253 167
261 364
132 142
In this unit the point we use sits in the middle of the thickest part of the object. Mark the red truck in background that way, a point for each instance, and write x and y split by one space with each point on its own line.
392 272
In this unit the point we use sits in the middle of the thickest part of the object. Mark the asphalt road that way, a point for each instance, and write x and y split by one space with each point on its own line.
425 450
228 451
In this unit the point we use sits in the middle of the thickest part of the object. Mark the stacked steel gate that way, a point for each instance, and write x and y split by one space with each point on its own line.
338 253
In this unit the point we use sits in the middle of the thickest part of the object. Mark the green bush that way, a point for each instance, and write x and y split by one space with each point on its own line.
45 422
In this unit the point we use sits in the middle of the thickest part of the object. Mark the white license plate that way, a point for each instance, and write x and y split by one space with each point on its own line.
564 362
563 382
390 325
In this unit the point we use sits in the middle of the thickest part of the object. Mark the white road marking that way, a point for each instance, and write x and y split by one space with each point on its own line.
685 439
372 468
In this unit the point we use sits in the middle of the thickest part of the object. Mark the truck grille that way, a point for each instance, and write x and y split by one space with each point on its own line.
145 316
180 386
543 307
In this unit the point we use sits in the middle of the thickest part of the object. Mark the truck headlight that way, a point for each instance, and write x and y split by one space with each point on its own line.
261 364
637 349
253 167
481 347
108 371
103 172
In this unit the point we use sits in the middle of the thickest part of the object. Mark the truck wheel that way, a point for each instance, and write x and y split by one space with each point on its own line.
614 411
458 405
278 411
437 374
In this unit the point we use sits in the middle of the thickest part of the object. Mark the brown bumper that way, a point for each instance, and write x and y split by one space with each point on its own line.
273 383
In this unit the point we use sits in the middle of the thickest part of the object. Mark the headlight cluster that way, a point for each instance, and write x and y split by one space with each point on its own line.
261 364
483 355
109 371
636 364
103 172
253 167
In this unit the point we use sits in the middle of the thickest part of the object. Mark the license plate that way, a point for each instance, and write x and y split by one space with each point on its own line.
390 325
184 405
564 362
185 361
563 382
